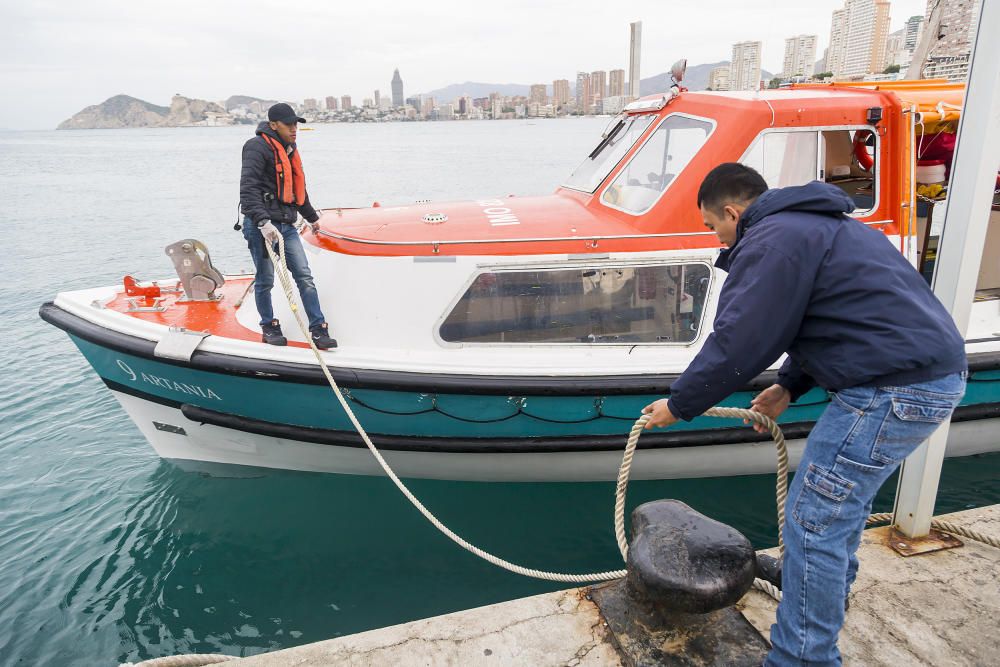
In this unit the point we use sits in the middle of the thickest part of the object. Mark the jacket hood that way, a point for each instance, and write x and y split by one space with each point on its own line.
265 128
814 197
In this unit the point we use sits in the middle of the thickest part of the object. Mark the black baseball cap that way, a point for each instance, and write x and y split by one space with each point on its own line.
284 113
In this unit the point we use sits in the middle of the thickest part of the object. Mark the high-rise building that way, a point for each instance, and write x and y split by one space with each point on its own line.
800 56
537 93
858 35
744 69
616 83
427 107
837 50
598 86
496 105
397 89
310 104
895 54
345 102
560 91
880 36
822 62
949 57
378 99
914 29
331 103
582 91
635 50
445 112
612 104
413 102
860 29
718 78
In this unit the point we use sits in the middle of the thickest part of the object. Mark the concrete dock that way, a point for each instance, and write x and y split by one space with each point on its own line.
940 608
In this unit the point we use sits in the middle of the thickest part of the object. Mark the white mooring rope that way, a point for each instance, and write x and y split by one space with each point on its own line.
187 660
623 472
197 660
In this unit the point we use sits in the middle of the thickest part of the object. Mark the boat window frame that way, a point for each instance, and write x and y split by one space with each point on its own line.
637 262
614 168
819 176
600 198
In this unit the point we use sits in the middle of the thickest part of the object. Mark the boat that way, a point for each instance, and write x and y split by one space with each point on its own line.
518 338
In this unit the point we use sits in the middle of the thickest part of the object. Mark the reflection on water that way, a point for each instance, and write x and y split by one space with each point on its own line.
108 553
197 563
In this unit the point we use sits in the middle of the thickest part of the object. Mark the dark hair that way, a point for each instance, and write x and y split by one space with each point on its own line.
730 182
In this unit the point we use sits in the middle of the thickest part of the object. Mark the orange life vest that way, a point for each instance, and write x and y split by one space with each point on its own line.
287 168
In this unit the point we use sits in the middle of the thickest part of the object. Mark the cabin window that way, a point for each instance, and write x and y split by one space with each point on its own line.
850 161
660 160
784 158
660 303
845 157
615 142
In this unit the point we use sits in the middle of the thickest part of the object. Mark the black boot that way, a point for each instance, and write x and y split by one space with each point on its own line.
272 333
321 337
769 569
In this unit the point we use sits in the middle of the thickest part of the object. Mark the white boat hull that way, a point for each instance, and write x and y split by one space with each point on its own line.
193 441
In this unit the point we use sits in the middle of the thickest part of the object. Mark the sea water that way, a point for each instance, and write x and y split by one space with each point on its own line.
110 554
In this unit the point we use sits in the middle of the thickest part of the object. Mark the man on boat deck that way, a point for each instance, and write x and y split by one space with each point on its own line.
272 194
856 319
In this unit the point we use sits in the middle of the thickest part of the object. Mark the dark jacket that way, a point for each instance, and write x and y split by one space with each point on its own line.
258 183
836 295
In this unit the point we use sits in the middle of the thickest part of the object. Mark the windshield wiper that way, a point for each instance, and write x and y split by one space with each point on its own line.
607 139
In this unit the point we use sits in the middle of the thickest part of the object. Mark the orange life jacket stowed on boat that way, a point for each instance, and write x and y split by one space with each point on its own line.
291 180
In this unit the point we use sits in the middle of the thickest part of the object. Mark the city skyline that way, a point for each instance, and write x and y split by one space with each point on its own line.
56 63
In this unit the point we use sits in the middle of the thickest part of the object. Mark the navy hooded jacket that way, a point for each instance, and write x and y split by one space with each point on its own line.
837 296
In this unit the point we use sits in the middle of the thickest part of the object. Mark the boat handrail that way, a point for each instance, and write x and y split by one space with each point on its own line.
538 239
593 239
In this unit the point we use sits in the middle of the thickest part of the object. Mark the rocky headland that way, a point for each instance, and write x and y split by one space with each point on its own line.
123 111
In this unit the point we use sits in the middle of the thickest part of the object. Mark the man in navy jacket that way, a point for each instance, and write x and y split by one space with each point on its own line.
855 318
272 195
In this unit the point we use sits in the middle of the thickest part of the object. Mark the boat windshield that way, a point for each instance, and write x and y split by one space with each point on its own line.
614 144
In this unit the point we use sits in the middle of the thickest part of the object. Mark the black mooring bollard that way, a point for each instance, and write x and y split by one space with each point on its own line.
674 607
682 561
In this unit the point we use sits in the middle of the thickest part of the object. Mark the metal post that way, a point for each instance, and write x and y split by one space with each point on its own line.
970 193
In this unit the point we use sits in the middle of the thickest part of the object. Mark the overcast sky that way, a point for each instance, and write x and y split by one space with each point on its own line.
58 56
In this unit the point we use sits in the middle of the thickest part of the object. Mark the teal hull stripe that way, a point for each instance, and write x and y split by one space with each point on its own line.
422 414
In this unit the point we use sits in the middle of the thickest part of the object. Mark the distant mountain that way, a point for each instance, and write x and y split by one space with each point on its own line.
246 100
476 89
116 112
696 78
123 111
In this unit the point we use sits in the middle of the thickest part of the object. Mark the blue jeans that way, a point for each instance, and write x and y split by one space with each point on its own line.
861 438
295 257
